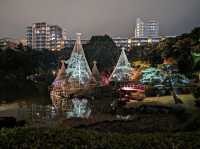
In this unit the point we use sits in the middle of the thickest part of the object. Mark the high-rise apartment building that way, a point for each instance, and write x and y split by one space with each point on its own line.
29 36
43 36
56 38
139 29
146 32
146 29
151 29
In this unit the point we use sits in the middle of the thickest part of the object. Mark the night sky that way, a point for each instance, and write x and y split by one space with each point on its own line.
98 17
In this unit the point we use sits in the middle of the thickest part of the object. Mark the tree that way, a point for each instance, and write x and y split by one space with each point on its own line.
195 35
103 50
180 51
166 78
20 46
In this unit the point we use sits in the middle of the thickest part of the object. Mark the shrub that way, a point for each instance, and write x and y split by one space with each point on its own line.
74 138
196 92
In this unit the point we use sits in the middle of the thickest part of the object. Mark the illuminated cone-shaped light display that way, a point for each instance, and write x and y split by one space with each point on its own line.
58 86
61 72
78 71
123 69
95 71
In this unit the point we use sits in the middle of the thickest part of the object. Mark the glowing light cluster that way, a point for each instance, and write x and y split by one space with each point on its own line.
168 76
152 75
134 87
78 69
123 69
80 108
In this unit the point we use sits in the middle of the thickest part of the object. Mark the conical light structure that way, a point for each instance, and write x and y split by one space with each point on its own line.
61 72
78 69
123 69
95 71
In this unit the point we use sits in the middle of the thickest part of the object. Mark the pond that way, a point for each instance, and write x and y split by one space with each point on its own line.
12 108
41 112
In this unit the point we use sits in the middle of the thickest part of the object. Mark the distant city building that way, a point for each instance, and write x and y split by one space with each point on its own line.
146 32
8 43
151 29
38 36
147 40
69 43
139 29
146 29
29 36
43 36
23 41
122 43
56 38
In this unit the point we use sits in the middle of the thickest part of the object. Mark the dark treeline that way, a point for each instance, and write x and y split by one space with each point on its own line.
27 72
103 50
180 48
16 67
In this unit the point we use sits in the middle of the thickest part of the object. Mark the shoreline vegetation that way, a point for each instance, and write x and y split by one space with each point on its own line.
74 138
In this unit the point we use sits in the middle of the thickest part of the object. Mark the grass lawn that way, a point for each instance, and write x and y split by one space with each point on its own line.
188 101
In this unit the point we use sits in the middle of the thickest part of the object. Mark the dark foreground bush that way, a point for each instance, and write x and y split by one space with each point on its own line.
65 138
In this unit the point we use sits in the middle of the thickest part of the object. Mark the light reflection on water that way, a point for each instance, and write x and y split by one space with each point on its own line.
48 114
80 108
79 111
20 108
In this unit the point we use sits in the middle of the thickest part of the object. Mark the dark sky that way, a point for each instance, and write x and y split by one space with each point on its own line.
92 17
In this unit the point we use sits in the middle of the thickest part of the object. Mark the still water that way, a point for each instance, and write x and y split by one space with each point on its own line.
41 112
13 108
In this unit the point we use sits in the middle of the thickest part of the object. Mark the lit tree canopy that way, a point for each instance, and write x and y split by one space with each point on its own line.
152 76
167 76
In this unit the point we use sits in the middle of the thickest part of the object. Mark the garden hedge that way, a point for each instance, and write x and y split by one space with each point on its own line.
58 138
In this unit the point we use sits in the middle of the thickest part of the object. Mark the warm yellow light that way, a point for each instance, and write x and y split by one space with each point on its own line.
129 41
149 40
